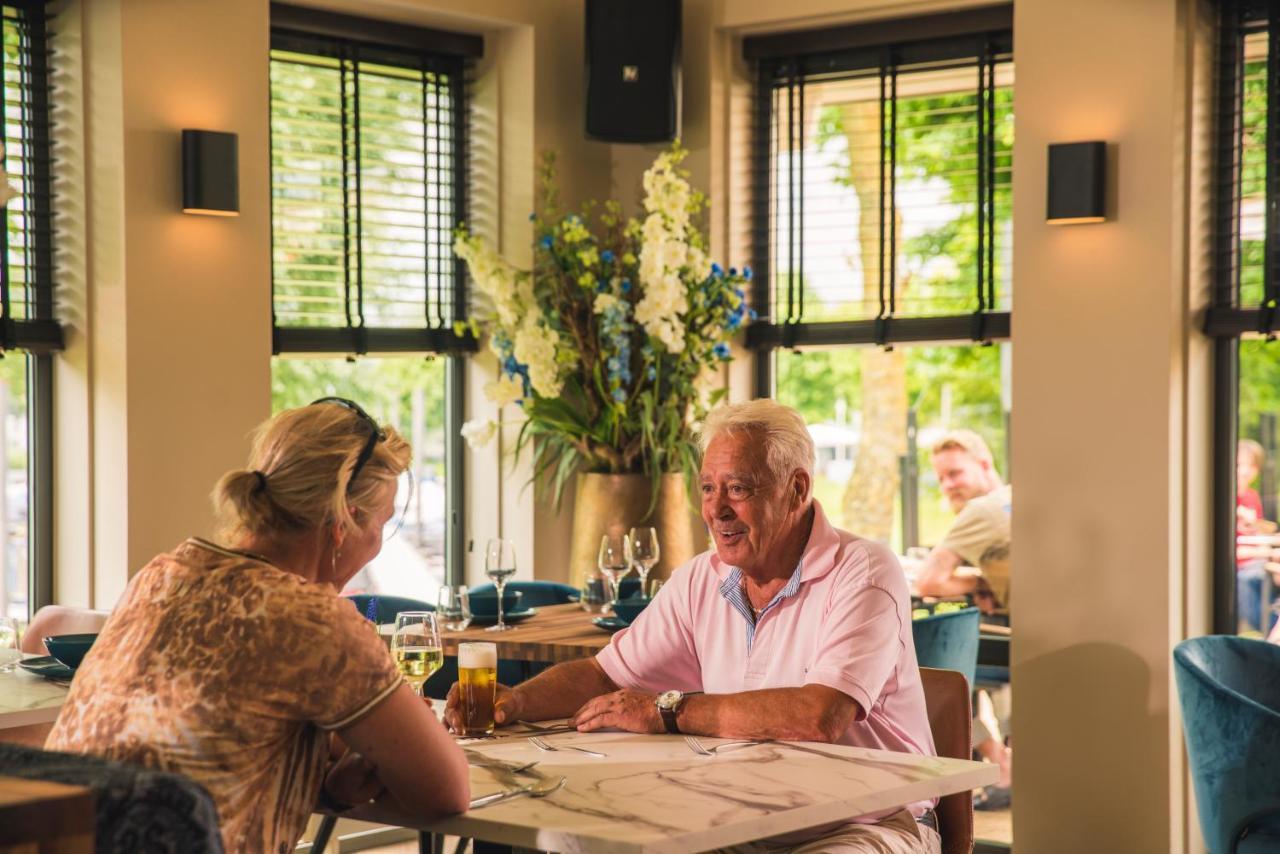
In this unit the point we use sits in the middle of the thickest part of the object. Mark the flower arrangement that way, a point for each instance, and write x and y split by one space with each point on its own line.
609 343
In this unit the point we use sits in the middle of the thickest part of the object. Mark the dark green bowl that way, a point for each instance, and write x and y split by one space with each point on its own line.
69 649
628 609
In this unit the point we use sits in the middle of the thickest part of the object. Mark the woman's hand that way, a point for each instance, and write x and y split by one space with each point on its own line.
506 707
352 780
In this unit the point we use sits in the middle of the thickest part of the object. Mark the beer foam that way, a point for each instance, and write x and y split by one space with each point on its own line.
477 654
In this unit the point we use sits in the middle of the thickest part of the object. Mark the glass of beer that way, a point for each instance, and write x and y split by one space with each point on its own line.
477 686
416 647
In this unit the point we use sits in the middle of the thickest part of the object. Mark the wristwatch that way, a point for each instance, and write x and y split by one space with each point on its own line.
668 704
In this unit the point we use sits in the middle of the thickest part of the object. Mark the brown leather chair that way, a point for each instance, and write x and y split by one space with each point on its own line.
60 620
946 697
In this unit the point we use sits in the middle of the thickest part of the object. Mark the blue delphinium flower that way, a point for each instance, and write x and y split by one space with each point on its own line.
626 286
733 271
716 269
653 373
746 273
546 242
721 350
606 256
751 313
619 395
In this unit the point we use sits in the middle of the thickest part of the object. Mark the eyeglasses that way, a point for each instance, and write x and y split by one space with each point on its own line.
375 432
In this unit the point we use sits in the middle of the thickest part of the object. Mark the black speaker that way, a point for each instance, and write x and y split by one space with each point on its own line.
633 70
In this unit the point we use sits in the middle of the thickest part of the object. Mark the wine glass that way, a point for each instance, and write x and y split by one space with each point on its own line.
416 648
500 565
613 561
9 654
644 553
453 604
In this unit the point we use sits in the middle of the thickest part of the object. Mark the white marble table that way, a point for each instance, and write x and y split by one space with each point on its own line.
26 699
652 793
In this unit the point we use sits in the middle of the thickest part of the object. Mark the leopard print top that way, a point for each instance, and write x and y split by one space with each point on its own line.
230 671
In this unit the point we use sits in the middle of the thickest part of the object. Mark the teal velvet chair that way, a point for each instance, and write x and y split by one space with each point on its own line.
1230 700
948 641
536 593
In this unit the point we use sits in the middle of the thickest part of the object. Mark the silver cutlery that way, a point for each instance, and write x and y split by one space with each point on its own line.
542 745
540 789
702 750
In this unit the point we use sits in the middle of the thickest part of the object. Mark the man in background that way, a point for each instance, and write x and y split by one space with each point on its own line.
973 559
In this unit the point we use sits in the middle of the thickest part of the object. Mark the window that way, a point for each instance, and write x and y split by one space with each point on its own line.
29 332
368 181
1242 319
882 215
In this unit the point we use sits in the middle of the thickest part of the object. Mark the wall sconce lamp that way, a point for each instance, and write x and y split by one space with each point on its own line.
210 173
1077 183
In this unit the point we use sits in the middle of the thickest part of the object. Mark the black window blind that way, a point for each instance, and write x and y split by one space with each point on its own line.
1246 264
27 314
368 182
882 182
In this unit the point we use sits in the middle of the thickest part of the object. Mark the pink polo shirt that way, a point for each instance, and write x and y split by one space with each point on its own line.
844 621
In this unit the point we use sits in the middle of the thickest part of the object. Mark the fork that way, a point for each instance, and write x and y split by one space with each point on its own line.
698 747
540 789
542 745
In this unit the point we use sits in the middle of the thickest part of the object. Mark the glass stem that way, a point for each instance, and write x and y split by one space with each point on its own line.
501 586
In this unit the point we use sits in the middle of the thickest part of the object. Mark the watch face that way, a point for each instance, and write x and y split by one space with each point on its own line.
669 699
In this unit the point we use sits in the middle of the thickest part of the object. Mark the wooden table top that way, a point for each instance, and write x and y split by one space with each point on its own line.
26 699
556 633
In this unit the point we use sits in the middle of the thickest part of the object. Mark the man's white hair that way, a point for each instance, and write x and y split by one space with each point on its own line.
782 431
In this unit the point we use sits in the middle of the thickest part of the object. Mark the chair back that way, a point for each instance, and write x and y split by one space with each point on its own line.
535 594
60 620
135 807
1230 701
946 697
948 641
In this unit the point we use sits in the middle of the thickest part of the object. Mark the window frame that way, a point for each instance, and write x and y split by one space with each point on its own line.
883 45
293 27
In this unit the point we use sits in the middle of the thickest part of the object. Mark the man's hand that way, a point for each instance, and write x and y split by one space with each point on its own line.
506 708
632 711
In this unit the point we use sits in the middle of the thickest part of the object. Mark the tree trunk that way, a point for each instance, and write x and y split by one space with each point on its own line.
869 496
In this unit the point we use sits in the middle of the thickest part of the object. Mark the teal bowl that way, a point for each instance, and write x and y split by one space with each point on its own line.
486 604
69 649
627 610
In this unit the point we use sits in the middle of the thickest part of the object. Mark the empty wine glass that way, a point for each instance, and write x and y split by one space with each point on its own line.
9 654
613 561
416 647
644 553
500 565
453 604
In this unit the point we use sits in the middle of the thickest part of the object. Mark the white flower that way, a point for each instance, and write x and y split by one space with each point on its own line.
479 433
504 390
604 302
674 254
510 290
535 346
698 262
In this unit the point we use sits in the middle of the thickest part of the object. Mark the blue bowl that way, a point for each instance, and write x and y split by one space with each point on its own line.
628 609
69 649
486 604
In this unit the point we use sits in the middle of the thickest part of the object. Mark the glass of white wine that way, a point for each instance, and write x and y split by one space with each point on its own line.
416 647
500 565
644 553
613 561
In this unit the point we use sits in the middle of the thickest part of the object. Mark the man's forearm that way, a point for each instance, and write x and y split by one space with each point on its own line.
811 713
559 691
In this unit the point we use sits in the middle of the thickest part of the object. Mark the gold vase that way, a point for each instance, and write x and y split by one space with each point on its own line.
614 503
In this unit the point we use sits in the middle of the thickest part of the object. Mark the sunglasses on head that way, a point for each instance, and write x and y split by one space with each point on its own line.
375 432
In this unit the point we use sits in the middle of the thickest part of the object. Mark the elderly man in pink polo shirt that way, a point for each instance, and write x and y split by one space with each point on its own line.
789 629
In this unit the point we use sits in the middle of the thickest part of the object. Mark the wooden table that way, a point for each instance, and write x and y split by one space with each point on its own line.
652 793
36 815
556 633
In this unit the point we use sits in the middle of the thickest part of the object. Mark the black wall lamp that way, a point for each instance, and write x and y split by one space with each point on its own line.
1077 183
210 173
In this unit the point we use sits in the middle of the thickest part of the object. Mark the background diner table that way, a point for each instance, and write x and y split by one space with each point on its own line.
29 705
653 793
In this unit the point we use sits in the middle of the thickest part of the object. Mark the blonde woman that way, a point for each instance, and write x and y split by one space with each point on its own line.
235 662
